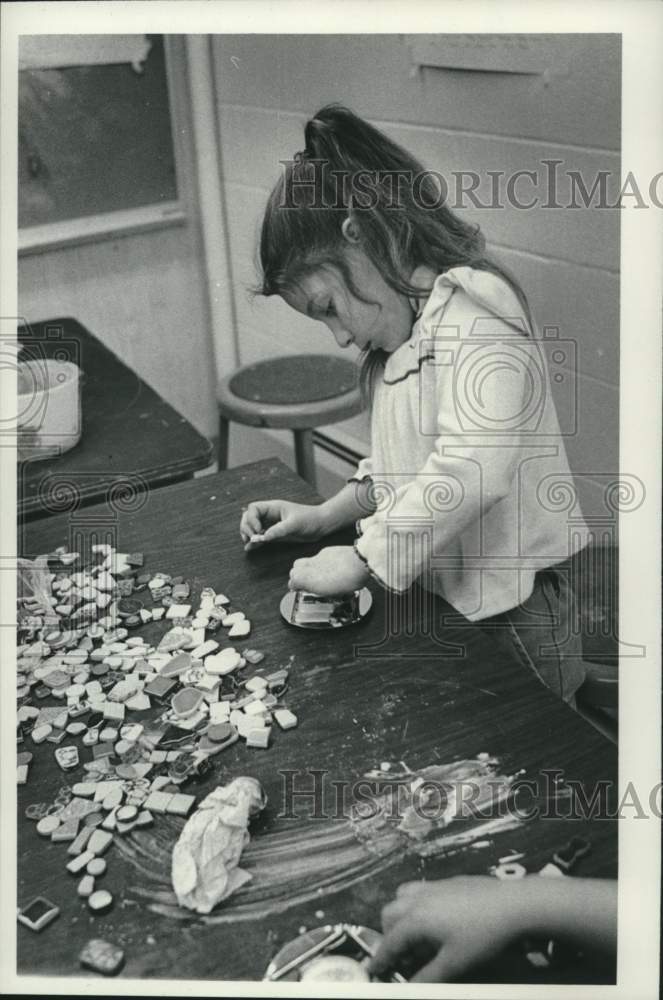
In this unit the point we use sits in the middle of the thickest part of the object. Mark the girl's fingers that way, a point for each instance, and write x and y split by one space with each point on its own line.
260 513
400 939
406 894
253 516
438 970
278 530
298 573
246 526
392 913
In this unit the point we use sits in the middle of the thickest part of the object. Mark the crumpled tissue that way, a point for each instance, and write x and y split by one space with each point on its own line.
205 858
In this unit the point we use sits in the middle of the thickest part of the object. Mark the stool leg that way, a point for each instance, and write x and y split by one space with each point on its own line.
304 459
224 430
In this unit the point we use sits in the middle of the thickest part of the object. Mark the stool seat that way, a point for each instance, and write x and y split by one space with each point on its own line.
297 392
304 378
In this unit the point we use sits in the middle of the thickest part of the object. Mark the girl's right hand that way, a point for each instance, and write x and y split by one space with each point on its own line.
271 520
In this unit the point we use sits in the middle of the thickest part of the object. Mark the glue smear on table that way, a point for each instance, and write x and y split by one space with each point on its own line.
298 863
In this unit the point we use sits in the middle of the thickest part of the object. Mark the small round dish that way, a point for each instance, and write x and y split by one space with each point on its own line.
304 610
335 952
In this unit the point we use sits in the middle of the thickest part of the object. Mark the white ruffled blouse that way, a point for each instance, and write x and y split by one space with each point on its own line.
467 457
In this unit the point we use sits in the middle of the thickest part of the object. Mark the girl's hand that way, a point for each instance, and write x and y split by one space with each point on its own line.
269 520
335 570
447 927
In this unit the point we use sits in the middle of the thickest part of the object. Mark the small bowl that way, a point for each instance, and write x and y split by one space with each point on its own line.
48 408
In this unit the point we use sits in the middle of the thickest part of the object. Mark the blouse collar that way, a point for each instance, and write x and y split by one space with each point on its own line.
486 289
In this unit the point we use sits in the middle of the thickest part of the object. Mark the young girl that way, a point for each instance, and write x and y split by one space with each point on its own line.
458 493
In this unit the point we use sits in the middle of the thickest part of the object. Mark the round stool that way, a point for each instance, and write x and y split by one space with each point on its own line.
298 392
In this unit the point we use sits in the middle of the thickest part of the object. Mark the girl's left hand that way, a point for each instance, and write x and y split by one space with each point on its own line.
335 570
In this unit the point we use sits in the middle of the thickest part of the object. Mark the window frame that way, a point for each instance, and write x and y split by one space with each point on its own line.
123 222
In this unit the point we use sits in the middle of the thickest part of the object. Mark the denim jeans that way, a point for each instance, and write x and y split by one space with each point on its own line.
544 633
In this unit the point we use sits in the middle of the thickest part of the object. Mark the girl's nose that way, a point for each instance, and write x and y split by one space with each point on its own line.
342 337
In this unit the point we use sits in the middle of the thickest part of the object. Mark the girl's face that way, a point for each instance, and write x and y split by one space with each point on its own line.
384 321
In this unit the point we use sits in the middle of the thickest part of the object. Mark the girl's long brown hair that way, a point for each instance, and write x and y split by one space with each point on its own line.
348 167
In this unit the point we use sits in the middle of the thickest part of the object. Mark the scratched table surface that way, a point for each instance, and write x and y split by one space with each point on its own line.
130 434
362 697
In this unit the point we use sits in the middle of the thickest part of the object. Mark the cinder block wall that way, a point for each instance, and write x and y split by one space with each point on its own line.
453 120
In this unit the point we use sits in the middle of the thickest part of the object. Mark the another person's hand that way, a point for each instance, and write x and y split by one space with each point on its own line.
335 570
272 520
445 928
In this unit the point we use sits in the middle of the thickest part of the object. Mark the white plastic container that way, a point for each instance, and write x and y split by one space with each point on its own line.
48 408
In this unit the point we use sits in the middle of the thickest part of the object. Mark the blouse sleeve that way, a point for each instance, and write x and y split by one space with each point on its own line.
364 470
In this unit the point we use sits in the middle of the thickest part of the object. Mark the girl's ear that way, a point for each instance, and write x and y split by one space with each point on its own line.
350 231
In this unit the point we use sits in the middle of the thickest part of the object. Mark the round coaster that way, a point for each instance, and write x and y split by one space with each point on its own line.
100 901
304 610
350 943
108 735
100 669
96 867
335 969
24 758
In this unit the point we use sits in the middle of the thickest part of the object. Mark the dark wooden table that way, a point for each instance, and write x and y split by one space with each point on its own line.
404 698
131 436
